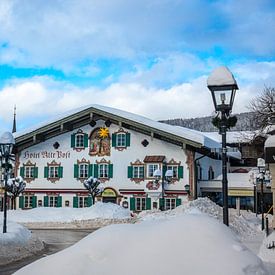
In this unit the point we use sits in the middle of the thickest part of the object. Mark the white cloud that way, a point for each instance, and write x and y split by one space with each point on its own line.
38 98
60 34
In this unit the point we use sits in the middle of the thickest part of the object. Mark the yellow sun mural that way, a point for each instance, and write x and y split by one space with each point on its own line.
103 132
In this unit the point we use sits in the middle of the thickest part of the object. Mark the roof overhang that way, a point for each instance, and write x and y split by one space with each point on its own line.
83 117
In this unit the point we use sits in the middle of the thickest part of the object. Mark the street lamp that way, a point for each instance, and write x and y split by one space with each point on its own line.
261 175
223 86
165 179
6 145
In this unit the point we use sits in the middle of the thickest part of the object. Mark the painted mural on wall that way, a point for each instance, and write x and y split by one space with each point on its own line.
100 142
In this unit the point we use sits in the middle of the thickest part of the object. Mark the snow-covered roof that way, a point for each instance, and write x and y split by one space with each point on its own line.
233 136
190 135
221 76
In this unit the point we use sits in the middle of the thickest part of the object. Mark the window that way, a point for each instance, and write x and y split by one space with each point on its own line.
170 203
53 200
53 172
103 170
138 172
83 202
79 141
28 201
151 168
121 140
140 204
174 168
29 171
83 170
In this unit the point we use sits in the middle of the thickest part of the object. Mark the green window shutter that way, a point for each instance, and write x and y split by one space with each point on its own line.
22 172
161 203
96 171
46 201
148 203
178 202
34 201
110 170
75 202
21 202
130 172
127 139
73 140
59 201
60 172
180 172
132 204
89 201
85 140
164 169
46 172
142 172
90 171
113 140
76 170
35 172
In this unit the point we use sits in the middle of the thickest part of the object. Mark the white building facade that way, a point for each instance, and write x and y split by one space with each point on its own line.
121 149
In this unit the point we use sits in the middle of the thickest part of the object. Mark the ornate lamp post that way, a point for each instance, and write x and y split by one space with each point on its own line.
165 179
94 187
6 145
223 86
261 176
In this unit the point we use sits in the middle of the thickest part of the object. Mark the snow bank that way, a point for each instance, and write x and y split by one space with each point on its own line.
50 214
16 234
17 243
193 243
268 255
244 225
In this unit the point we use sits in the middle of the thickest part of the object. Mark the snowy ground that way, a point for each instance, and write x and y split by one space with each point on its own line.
189 239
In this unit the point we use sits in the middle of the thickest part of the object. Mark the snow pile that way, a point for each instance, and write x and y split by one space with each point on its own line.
17 243
16 234
51 214
267 250
187 244
244 225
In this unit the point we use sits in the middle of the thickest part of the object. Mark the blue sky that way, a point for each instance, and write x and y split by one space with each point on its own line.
150 57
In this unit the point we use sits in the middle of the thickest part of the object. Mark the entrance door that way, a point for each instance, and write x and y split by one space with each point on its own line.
109 199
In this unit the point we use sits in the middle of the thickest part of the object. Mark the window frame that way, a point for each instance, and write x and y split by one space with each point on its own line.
176 166
121 142
105 168
82 201
52 201
140 171
54 169
83 173
140 203
170 203
28 201
148 169
77 141
29 171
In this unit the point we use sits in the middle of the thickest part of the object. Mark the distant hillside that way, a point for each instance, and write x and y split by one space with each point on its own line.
204 124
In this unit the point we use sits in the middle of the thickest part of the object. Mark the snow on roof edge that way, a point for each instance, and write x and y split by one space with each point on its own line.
183 132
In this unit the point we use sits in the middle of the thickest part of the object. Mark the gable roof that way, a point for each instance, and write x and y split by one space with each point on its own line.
83 115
